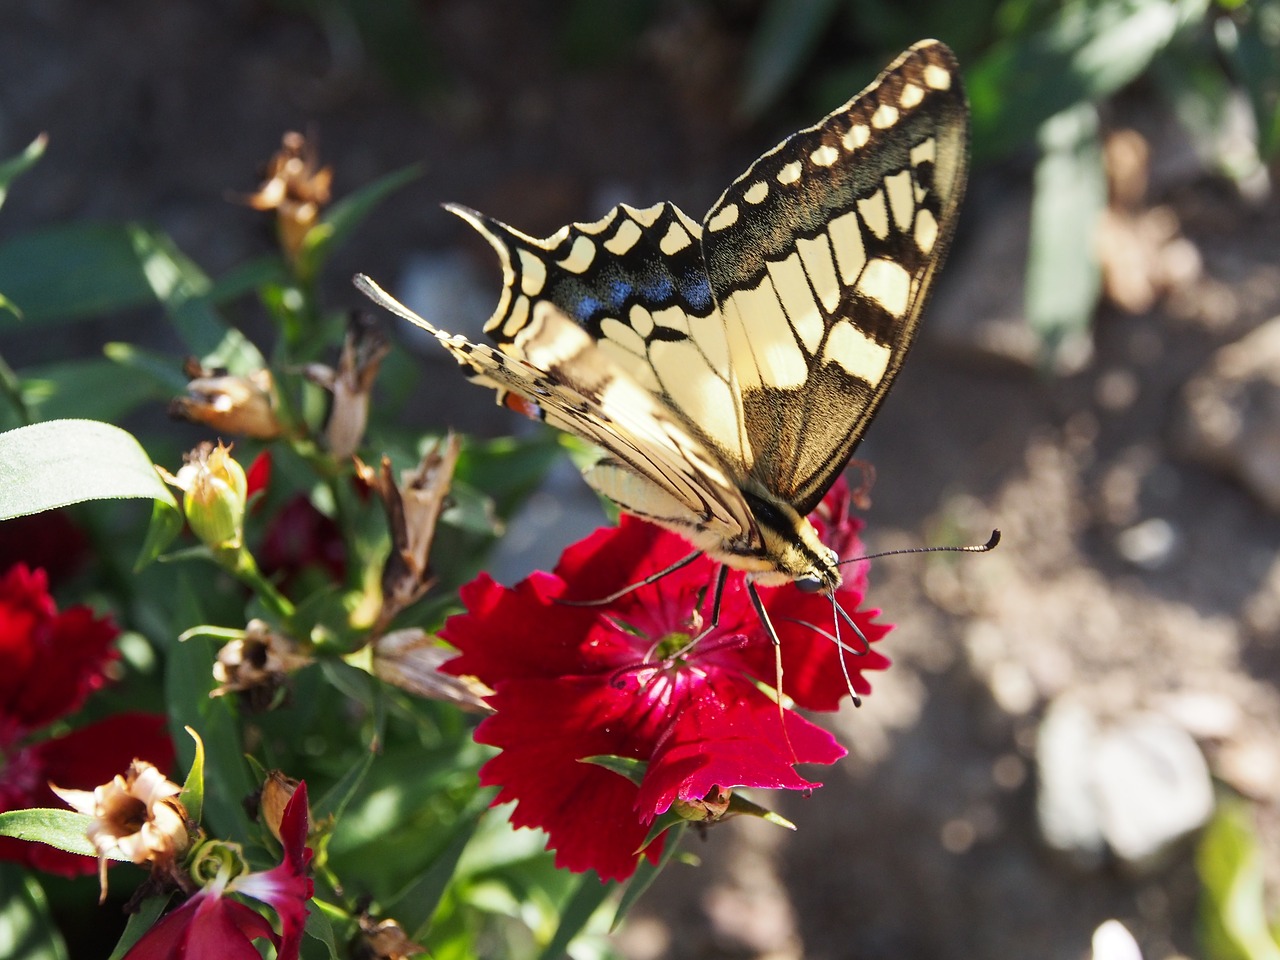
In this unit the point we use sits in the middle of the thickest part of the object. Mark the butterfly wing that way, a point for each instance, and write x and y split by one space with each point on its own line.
635 282
655 468
821 257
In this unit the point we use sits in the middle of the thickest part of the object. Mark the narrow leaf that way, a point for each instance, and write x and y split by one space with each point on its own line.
139 923
73 271
628 767
1063 275
347 214
192 795
785 38
644 876
14 167
1233 921
586 899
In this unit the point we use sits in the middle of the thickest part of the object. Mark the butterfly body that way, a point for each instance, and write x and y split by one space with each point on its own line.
728 368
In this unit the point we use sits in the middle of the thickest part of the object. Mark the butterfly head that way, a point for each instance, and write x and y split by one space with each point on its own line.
791 551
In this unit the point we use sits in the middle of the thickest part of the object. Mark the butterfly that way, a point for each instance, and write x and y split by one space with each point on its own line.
728 368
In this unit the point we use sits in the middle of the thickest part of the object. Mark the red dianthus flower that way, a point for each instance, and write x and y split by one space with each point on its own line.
621 680
212 925
49 664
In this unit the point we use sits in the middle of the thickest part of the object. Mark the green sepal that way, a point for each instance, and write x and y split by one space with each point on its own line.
628 767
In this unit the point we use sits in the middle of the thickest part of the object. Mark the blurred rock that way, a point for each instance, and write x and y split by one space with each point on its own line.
1113 941
1150 544
1152 787
1065 807
1230 417
1135 786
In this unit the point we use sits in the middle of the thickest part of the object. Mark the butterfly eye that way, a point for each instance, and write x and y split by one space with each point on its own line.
810 584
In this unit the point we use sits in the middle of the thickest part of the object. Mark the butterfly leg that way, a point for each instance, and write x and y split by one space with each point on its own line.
619 594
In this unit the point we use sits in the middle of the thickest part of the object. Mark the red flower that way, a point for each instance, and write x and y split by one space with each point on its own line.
620 680
49 664
211 925
300 539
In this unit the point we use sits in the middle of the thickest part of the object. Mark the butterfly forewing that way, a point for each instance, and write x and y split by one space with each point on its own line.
821 257
635 281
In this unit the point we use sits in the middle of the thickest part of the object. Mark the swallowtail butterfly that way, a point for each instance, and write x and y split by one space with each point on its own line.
728 369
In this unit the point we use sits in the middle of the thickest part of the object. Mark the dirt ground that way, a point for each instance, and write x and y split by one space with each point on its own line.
923 844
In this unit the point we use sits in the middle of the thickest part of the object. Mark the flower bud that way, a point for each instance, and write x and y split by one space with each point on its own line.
215 490
709 809
276 793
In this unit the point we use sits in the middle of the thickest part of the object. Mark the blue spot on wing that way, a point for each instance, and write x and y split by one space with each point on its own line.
696 290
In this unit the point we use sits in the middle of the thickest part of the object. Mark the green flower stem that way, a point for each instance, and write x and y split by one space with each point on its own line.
240 562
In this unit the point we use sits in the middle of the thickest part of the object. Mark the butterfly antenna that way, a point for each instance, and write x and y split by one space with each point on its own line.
652 578
992 542
841 646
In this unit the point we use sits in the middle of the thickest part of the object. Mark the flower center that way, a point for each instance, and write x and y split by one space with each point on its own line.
672 645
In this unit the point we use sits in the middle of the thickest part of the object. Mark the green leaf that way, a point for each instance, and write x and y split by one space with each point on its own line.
64 829
1063 275
785 38
1087 52
415 905
14 167
192 795
94 387
188 681
1233 921
628 767
319 928
182 287
27 930
644 876
345 215
160 369
165 525
73 271
139 923
60 462
1254 54
586 899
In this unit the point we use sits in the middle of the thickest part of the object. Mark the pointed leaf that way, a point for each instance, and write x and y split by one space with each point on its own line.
586 899
14 167
644 876
347 214
1063 275
192 795
628 767
139 923
64 829
785 37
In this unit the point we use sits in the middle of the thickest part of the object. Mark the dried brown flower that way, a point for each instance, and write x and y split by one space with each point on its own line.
138 815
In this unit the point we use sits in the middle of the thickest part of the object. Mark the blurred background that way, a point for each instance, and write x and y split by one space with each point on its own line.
1098 376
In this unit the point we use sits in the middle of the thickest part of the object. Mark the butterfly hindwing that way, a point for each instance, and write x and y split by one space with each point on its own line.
655 469
821 257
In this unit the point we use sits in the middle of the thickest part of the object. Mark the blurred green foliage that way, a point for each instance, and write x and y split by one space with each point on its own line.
393 777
